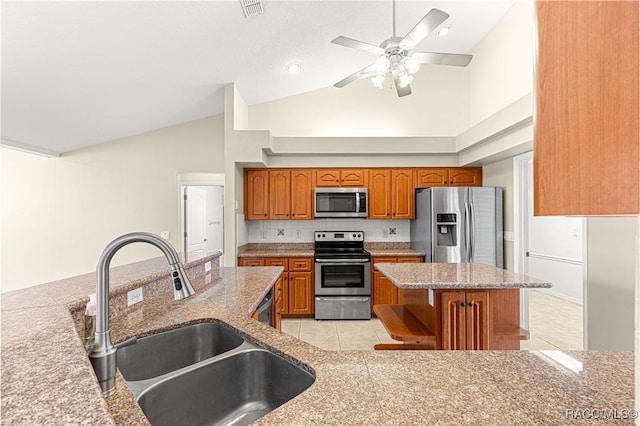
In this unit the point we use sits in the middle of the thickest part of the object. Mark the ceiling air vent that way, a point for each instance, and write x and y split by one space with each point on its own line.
252 7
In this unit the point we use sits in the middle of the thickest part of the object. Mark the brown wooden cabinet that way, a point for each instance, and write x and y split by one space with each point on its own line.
296 281
256 194
278 194
391 194
451 176
278 306
341 177
586 127
464 320
383 292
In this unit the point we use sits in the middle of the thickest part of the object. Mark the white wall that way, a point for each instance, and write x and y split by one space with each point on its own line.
612 258
501 174
502 67
59 213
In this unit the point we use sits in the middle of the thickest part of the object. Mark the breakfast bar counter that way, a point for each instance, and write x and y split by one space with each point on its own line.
46 377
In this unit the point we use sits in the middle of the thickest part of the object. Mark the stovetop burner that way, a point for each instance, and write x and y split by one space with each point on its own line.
340 244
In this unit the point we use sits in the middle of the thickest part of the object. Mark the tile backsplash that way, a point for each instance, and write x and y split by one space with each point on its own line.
301 231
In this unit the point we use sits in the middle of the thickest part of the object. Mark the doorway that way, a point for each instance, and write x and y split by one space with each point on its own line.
202 216
551 248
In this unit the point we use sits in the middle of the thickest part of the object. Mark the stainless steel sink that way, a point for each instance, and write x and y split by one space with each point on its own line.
172 350
236 389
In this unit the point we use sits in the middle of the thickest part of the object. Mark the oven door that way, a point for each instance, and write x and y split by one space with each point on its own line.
339 277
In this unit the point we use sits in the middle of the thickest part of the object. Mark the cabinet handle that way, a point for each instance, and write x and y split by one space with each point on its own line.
462 304
470 304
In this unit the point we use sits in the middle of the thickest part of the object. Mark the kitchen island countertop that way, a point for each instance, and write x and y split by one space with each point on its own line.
47 378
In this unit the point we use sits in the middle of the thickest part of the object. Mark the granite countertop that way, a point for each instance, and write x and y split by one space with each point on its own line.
455 275
47 378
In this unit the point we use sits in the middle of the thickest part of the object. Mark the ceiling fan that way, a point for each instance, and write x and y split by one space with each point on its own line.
394 54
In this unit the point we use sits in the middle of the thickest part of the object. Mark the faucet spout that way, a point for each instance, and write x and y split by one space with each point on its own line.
103 354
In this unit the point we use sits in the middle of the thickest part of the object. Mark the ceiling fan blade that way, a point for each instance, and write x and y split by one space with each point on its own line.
364 72
430 22
402 91
454 59
356 44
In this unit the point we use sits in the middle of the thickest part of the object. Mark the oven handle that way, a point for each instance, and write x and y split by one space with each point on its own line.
343 261
342 299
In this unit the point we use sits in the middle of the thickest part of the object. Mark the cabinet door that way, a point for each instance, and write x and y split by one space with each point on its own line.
465 176
379 194
353 177
301 194
327 177
384 292
278 306
453 320
256 195
402 196
477 320
586 127
250 261
279 194
426 178
300 293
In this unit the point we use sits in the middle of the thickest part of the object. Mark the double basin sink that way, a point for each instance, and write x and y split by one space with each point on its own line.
207 374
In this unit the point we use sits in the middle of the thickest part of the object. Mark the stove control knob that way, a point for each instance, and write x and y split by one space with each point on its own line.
354 235
359 235
324 235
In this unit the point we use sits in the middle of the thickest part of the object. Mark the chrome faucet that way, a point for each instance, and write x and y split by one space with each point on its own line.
103 354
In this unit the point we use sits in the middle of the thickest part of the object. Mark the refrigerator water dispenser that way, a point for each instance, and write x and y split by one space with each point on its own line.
446 225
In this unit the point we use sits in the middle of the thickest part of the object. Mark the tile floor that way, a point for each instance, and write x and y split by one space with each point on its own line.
554 324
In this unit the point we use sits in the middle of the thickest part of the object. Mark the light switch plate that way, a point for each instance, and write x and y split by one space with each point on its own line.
508 235
134 296
207 266
165 234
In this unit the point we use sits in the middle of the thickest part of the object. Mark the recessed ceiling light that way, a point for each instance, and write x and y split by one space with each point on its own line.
293 68
444 30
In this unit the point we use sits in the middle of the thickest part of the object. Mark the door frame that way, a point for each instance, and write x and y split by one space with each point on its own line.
194 179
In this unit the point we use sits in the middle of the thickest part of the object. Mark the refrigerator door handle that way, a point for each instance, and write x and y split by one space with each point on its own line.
467 213
472 231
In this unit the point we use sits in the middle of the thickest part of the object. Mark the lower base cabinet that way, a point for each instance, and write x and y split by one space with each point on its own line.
296 283
465 320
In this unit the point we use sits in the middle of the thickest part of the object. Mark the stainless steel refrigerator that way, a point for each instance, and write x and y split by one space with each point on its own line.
459 224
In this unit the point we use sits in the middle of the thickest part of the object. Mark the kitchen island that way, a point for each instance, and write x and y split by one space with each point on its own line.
455 306
46 377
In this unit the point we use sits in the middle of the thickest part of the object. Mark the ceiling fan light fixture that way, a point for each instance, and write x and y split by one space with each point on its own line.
412 64
383 64
405 80
378 81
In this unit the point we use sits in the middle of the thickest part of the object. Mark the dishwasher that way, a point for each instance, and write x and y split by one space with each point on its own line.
264 309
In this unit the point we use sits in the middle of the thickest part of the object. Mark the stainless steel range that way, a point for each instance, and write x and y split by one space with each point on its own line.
342 275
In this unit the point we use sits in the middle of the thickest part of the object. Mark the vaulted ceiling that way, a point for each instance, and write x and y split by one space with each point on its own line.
76 74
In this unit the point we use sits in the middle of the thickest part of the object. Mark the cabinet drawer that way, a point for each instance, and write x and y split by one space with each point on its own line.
251 262
410 259
300 264
385 259
276 261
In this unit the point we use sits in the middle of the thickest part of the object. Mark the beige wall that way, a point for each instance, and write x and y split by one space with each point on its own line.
438 106
501 174
502 67
612 256
59 213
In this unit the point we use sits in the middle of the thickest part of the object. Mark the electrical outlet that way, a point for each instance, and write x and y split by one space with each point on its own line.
134 296
385 233
263 234
298 233
207 266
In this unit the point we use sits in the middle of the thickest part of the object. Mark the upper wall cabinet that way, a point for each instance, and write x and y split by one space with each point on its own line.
256 194
341 177
278 194
391 194
586 137
455 176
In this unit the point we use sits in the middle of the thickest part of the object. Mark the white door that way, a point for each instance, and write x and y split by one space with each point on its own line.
196 221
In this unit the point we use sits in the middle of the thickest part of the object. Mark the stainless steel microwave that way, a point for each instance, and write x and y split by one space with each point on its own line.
340 202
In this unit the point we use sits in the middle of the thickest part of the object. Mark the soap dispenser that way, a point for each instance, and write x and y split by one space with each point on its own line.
90 322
